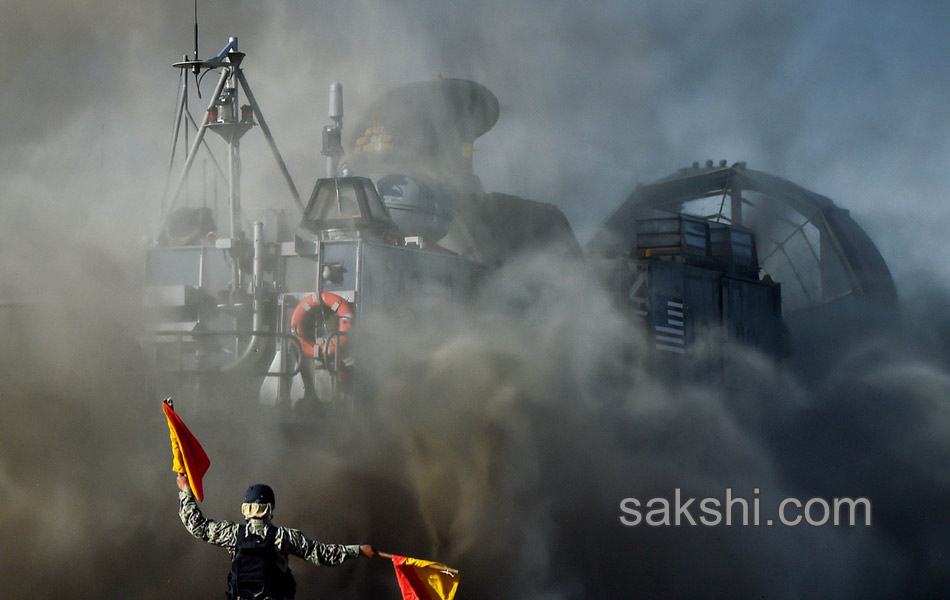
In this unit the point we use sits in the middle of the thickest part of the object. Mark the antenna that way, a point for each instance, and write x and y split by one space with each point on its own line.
196 69
333 134
225 118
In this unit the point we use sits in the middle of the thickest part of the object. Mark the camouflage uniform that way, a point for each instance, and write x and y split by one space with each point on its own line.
288 541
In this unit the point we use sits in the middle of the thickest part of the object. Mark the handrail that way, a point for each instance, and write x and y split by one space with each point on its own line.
298 352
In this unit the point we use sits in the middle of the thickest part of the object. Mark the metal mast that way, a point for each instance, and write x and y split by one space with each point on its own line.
226 117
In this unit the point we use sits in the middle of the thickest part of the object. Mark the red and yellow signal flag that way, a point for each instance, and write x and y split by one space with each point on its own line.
188 457
424 579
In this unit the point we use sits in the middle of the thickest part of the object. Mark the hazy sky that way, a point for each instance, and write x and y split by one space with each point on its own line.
847 99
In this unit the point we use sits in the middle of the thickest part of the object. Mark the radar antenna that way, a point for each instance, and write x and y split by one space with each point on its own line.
227 118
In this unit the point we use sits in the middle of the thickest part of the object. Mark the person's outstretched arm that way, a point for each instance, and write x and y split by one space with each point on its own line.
296 543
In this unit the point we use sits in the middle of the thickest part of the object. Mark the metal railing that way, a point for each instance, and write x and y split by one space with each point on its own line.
180 343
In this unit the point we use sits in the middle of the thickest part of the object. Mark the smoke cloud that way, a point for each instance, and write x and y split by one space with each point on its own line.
506 433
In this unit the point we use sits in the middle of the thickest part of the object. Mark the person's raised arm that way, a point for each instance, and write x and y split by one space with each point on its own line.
219 533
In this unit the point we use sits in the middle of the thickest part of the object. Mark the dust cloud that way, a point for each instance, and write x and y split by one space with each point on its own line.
505 434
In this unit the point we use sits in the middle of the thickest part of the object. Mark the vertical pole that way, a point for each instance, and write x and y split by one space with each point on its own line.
331 148
196 32
234 156
234 186
735 204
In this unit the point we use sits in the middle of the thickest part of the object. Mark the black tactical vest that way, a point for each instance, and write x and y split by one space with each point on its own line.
254 571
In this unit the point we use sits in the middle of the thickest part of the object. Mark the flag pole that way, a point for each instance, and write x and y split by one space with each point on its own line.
436 566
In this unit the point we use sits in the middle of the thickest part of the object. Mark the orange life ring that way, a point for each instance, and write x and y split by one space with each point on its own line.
299 320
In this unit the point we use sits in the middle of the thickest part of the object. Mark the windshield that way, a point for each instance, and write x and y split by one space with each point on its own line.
334 201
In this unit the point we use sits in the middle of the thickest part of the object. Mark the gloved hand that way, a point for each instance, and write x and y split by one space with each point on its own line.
367 550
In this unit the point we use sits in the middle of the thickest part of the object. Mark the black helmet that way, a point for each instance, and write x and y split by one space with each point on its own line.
260 494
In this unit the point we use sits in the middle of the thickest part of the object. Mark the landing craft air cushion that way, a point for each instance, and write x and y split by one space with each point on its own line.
273 315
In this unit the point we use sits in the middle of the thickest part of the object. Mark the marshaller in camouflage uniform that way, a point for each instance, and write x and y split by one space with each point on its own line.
260 550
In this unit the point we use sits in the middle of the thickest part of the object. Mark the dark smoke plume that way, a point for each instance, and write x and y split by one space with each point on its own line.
504 438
